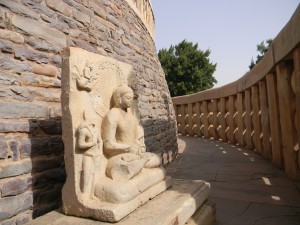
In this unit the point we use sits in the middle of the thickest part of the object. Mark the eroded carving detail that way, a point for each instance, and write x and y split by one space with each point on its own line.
110 173
89 141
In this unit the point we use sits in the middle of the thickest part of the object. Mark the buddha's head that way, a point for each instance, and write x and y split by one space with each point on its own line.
123 97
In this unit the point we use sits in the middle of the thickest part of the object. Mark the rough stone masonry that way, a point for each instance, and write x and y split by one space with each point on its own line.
33 34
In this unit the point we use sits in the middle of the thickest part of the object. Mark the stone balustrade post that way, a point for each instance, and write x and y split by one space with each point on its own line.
265 124
276 142
240 105
205 118
182 124
248 120
222 119
285 95
231 120
198 121
215 119
256 119
297 95
190 114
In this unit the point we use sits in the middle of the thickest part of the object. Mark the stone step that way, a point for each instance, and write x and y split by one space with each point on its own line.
174 206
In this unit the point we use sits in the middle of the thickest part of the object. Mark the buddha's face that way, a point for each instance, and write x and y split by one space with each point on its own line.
126 100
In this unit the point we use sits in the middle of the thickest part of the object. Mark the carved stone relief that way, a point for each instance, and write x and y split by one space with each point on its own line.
109 174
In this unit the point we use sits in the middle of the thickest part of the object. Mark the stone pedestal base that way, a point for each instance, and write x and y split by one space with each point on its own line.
205 215
176 205
111 212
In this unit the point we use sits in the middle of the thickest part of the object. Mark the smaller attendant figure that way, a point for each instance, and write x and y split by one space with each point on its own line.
89 141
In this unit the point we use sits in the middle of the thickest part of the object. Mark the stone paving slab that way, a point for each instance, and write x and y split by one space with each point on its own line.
247 189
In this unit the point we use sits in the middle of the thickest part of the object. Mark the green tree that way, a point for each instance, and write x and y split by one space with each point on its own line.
262 48
188 70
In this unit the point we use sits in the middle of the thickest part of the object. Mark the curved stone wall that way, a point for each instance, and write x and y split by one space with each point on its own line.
143 9
32 36
260 111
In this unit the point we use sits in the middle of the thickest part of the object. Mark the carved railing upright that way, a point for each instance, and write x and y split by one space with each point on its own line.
260 111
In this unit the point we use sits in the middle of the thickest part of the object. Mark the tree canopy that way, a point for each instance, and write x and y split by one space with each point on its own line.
262 48
188 70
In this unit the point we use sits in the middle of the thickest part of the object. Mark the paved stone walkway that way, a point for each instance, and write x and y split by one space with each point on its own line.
247 189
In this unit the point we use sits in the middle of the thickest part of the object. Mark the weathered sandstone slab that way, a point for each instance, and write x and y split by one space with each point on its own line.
174 206
109 172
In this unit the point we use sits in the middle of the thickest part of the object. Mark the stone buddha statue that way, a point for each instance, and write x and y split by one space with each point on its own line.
123 139
130 170
109 172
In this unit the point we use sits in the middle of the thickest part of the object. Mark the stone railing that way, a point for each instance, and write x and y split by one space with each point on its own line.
259 111
143 9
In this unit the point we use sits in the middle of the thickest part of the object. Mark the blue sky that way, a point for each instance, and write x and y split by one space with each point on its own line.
231 29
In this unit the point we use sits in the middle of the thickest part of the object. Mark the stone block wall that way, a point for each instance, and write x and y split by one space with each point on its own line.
32 36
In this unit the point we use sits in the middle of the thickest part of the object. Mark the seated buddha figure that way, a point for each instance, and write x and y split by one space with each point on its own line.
130 169
123 139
